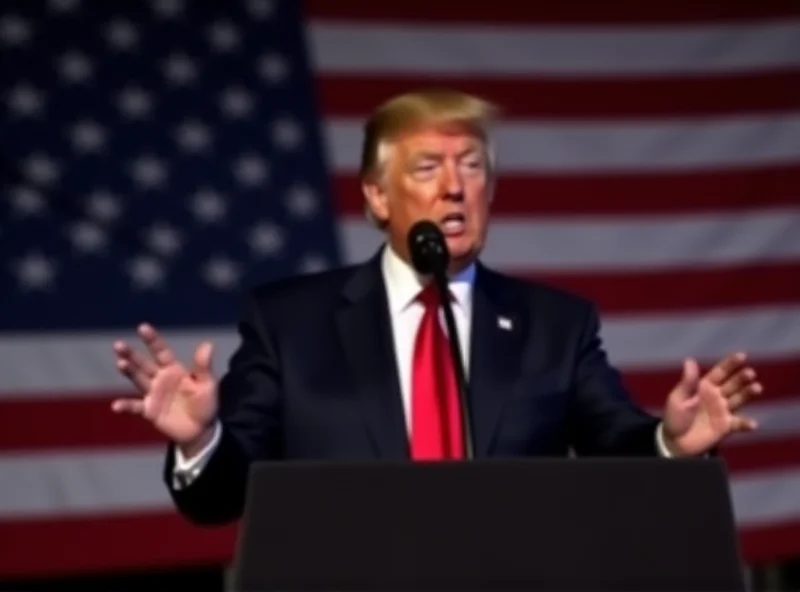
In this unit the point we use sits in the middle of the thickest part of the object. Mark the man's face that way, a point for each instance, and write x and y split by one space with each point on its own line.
439 175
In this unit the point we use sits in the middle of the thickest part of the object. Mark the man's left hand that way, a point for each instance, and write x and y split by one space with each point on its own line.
701 411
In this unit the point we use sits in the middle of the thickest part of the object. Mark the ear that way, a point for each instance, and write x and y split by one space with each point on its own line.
377 199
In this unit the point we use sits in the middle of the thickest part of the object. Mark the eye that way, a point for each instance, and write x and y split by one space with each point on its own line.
474 164
425 170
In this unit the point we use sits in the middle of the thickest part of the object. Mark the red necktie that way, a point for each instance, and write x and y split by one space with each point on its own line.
436 416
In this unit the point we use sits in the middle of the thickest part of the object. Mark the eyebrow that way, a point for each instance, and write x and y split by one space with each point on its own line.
426 154
438 156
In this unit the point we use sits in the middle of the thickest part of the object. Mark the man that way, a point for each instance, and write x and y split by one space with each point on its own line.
352 364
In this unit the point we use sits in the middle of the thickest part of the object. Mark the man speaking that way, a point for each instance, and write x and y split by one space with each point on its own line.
355 363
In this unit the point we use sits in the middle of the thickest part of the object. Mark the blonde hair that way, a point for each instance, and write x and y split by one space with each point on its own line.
433 108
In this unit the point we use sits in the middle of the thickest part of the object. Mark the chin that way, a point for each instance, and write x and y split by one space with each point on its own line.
460 246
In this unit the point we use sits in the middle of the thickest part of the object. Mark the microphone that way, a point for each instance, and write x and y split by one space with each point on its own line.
430 256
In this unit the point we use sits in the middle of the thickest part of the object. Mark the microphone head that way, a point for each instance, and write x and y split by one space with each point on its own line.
427 247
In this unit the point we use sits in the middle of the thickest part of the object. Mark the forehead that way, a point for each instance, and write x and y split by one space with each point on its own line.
438 140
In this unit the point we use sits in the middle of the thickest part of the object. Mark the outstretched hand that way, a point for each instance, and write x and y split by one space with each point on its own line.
180 402
702 411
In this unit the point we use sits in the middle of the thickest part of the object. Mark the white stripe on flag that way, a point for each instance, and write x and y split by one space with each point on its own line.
646 243
653 342
548 50
84 482
528 146
95 483
45 364
775 419
766 497
50 363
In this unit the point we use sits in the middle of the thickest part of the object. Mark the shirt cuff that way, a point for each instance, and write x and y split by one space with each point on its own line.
188 469
660 444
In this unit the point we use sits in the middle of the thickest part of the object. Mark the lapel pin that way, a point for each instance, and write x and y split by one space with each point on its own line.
504 323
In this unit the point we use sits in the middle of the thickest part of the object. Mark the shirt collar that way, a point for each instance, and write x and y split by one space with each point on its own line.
403 283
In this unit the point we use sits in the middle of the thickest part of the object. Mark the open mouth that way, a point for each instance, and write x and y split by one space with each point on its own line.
453 224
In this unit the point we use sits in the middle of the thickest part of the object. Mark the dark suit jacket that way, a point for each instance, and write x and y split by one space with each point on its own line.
314 378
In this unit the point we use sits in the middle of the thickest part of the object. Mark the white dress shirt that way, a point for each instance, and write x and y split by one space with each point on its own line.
403 285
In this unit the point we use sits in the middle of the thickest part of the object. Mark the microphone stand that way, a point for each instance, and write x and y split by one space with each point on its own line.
440 279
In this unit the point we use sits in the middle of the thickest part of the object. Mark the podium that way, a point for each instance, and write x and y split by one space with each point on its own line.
490 525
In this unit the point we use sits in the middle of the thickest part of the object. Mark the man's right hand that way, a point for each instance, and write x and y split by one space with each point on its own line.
180 402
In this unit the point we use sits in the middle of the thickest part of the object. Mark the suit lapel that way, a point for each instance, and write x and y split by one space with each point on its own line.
498 330
366 336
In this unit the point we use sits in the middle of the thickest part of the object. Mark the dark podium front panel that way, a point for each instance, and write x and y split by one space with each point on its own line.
555 525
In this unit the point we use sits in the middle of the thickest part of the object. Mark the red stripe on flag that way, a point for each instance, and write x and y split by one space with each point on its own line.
636 193
513 12
670 291
74 422
86 422
521 97
107 543
771 543
744 455
781 380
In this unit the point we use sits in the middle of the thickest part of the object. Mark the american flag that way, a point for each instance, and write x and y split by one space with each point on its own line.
160 156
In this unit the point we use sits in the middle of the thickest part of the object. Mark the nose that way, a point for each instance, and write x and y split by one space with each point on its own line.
453 183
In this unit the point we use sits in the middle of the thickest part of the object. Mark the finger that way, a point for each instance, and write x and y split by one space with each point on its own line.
202 360
137 360
139 379
726 368
133 368
738 381
743 424
744 395
138 369
714 404
690 379
130 406
156 344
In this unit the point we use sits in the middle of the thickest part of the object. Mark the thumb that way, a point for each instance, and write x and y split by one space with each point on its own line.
690 379
202 360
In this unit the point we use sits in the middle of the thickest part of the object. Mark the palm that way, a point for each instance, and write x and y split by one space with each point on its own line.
700 412
180 402
698 425
177 403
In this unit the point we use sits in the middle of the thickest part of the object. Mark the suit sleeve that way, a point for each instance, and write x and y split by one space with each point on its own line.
249 414
605 420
